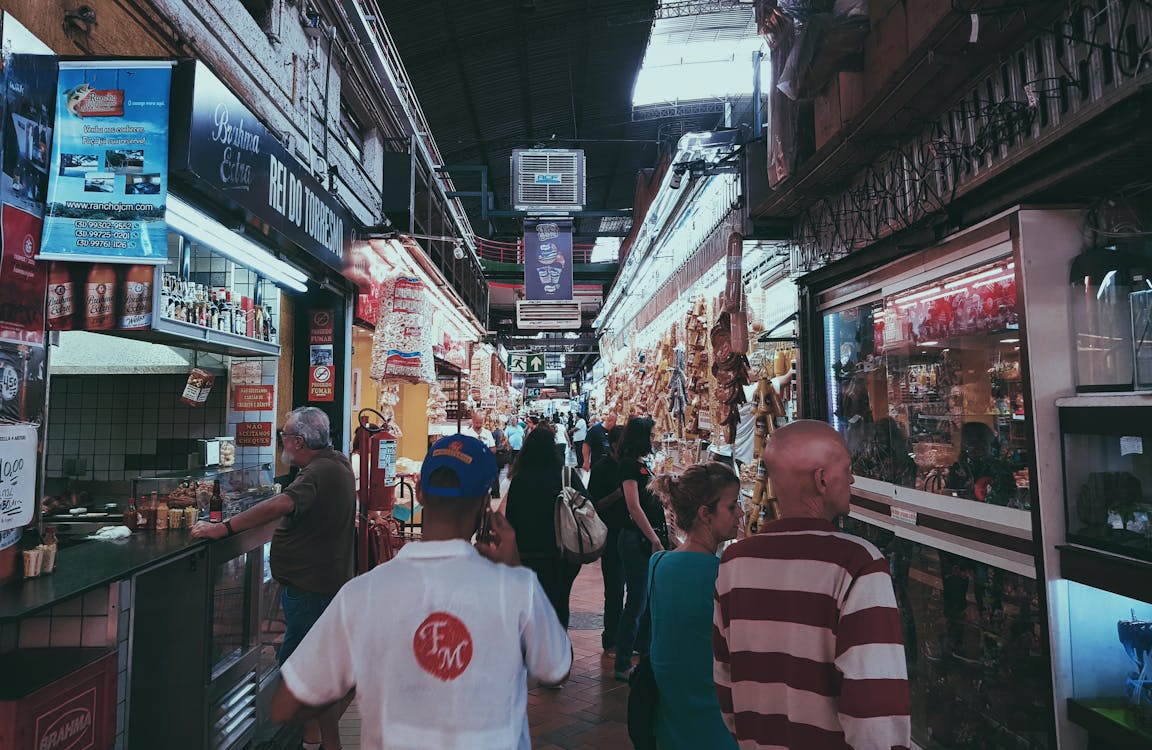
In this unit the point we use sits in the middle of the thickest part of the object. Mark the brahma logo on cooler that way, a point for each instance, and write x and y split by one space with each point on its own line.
68 727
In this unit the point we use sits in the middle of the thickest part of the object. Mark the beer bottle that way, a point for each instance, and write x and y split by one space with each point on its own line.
216 504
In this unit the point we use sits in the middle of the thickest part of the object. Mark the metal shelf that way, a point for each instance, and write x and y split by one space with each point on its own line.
1125 399
191 336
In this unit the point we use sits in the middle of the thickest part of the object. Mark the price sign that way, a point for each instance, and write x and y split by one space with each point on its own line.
17 475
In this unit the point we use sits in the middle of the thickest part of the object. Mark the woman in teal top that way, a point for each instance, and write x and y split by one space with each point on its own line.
704 500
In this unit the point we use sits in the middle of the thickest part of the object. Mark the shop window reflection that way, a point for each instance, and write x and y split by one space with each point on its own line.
978 675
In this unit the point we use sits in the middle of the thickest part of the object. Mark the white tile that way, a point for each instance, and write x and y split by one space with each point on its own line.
94 631
35 632
96 602
67 631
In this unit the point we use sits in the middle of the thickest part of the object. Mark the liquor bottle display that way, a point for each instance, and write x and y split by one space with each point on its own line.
216 504
219 309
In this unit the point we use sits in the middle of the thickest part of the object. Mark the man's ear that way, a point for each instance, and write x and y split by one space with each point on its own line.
820 480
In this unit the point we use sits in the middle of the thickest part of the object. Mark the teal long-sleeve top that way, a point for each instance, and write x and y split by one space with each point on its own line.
689 715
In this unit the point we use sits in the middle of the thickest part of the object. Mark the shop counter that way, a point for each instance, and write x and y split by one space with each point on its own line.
89 566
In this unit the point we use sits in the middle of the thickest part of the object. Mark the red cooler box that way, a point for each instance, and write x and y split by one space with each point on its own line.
58 699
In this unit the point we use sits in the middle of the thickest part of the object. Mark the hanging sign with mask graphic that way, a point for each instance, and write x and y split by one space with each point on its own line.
548 259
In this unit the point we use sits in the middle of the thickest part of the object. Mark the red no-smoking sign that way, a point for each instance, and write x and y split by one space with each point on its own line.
442 646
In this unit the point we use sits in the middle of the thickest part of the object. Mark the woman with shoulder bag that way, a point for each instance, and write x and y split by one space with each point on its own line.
639 539
704 501
536 480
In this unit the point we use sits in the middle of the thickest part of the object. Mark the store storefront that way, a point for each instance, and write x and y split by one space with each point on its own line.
193 289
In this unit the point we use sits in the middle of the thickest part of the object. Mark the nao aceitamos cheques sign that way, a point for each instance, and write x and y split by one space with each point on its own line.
220 142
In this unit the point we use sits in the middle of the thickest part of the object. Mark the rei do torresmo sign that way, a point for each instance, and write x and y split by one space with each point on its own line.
223 146
108 179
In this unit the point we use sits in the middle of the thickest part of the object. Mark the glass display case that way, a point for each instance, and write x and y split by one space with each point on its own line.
231 635
925 385
1111 637
241 487
1108 474
977 665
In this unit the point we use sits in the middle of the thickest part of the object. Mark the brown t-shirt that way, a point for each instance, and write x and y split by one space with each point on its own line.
313 549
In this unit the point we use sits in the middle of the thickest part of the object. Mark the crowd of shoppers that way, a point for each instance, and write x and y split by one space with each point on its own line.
790 639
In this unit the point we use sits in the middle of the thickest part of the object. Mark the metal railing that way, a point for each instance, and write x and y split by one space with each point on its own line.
513 252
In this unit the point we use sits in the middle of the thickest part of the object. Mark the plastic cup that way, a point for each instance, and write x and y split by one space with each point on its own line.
175 517
49 559
33 560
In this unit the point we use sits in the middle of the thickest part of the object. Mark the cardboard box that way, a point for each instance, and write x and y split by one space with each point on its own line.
828 118
886 49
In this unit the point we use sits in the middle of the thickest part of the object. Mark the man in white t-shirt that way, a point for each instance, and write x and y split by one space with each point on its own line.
579 435
438 642
476 429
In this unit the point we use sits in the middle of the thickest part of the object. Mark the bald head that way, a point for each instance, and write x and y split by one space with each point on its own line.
810 469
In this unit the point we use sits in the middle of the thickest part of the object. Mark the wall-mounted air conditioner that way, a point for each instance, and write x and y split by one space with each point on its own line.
548 180
548 315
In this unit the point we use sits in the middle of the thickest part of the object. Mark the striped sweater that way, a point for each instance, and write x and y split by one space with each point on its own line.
807 642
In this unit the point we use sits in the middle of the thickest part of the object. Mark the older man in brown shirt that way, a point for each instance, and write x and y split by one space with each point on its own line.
313 549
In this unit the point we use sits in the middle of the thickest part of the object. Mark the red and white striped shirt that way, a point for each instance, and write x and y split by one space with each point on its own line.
807 641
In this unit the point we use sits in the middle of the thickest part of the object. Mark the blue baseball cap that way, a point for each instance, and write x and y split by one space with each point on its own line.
471 461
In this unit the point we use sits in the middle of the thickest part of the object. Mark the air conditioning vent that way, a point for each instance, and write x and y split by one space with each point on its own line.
548 180
548 315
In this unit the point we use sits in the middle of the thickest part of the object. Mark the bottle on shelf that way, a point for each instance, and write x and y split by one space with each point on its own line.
61 298
216 504
130 516
100 298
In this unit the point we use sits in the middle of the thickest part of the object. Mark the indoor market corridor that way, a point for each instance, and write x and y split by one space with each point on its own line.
590 710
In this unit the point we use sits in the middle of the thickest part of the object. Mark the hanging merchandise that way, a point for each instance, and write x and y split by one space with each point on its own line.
437 404
731 370
678 391
402 341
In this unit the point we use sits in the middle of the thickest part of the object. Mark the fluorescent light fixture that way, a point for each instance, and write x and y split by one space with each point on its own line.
974 277
193 223
929 343
1009 341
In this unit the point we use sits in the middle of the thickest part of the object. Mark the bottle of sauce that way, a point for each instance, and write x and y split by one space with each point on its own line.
216 504
137 312
162 514
100 298
51 544
131 519
61 298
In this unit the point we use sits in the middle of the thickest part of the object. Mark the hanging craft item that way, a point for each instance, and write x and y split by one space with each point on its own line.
731 370
402 342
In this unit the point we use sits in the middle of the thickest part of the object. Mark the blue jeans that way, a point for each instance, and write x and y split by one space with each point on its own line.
301 611
635 550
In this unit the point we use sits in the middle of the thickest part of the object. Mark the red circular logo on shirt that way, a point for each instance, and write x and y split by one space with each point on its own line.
443 646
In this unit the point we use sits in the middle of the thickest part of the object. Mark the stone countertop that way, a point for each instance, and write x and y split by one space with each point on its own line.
88 566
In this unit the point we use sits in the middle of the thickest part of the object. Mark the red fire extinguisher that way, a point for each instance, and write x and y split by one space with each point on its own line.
378 533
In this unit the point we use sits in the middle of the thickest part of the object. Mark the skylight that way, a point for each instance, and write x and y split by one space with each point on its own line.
705 56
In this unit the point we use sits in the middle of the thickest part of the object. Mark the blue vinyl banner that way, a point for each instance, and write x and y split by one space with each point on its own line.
548 259
108 178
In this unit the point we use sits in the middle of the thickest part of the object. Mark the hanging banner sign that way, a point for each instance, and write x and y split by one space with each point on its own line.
220 141
253 397
23 388
547 260
254 434
17 475
29 95
108 179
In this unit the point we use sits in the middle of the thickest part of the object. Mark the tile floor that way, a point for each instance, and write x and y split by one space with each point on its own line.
589 713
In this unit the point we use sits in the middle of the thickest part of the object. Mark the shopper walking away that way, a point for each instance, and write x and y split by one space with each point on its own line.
809 654
704 502
639 539
560 437
536 481
597 445
475 429
579 435
515 434
439 641
312 553
604 488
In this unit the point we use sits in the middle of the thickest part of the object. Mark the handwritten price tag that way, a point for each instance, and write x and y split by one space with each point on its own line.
17 475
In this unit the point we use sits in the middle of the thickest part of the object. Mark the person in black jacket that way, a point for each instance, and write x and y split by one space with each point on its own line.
604 489
536 481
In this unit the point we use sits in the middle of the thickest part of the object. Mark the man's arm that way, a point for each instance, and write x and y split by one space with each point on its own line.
259 514
586 459
721 655
874 702
319 672
547 649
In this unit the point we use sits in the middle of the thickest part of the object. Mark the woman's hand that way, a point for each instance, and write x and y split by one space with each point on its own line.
657 545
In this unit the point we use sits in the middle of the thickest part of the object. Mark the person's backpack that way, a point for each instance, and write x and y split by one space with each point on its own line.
580 534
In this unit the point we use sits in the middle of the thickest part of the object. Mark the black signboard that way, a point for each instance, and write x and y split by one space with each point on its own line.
220 142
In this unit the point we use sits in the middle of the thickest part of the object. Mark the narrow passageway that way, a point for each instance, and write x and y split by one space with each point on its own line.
589 712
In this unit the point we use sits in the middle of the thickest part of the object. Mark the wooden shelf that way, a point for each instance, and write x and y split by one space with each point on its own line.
1124 576
1109 719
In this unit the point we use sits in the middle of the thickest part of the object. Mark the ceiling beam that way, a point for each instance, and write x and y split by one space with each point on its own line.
448 9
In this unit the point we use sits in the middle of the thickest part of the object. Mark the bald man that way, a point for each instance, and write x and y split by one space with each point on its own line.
806 636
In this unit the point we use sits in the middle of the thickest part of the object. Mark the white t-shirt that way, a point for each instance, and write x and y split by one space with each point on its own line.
484 436
438 643
580 432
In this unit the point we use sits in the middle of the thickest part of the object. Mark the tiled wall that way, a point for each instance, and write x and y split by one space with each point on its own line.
128 425
250 456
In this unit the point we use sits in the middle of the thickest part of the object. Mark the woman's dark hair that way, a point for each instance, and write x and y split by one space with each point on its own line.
614 438
636 442
538 451
698 487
